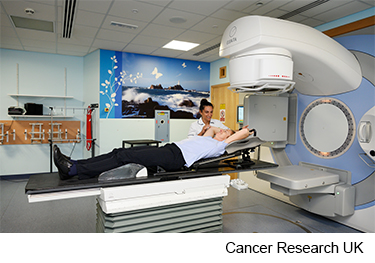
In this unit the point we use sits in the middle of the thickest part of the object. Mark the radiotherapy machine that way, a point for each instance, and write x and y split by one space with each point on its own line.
299 88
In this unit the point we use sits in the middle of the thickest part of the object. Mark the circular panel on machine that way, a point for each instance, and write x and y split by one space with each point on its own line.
327 128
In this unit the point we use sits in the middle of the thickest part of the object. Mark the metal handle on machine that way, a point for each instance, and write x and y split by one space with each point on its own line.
371 164
364 131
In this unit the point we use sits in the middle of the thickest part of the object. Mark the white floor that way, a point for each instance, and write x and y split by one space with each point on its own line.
244 211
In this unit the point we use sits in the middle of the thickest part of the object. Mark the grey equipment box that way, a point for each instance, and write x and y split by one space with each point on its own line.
162 118
322 190
295 177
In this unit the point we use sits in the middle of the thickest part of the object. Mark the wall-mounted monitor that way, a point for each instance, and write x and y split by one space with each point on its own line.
240 113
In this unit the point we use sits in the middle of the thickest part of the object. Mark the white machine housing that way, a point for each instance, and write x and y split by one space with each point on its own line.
271 70
273 117
269 54
366 136
322 190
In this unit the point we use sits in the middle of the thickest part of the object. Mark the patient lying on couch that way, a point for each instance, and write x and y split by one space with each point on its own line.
170 157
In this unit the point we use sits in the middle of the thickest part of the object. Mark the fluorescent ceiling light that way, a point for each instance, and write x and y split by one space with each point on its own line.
29 23
180 45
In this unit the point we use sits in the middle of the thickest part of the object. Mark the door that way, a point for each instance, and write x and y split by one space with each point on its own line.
225 105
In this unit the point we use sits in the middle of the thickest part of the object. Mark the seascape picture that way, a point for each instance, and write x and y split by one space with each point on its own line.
135 85
140 102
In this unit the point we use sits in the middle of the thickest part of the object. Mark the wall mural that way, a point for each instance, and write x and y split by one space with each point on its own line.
135 85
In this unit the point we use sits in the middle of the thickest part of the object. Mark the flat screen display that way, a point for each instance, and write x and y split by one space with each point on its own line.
240 114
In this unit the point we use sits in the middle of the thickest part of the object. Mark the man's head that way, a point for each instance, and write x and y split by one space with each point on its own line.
223 134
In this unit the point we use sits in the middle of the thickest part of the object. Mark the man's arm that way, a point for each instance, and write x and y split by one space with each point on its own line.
211 131
242 134
204 130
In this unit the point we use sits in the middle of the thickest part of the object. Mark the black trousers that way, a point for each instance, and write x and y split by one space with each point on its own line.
169 157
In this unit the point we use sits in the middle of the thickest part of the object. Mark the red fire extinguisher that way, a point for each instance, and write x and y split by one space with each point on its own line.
88 128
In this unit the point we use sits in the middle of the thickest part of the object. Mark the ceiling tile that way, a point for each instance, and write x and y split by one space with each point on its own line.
295 4
190 54
163 18
198 7
96 6
369 2
107 24
196 37
187 56
229 15
344 10
162 3
6 31
150 41
297 18
265 8
108 44
211 58
273 5
75 40
10 42
312 22
162 31
38 43
327 6
83 31
208 57
141 49
146 12
5 20
41 49
35 34
163 52
213 41
212 25
85 18
276 13
115 36
239 5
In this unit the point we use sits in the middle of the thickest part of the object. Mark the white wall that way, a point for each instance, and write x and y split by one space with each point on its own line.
215 70
91 80
39 74
114 131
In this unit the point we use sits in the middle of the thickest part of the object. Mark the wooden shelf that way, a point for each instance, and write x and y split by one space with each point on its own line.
41 96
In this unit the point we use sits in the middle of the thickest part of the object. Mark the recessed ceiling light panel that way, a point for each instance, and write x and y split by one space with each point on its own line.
35 24
180 45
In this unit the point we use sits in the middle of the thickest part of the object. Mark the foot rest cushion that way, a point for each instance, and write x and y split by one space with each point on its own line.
127 171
